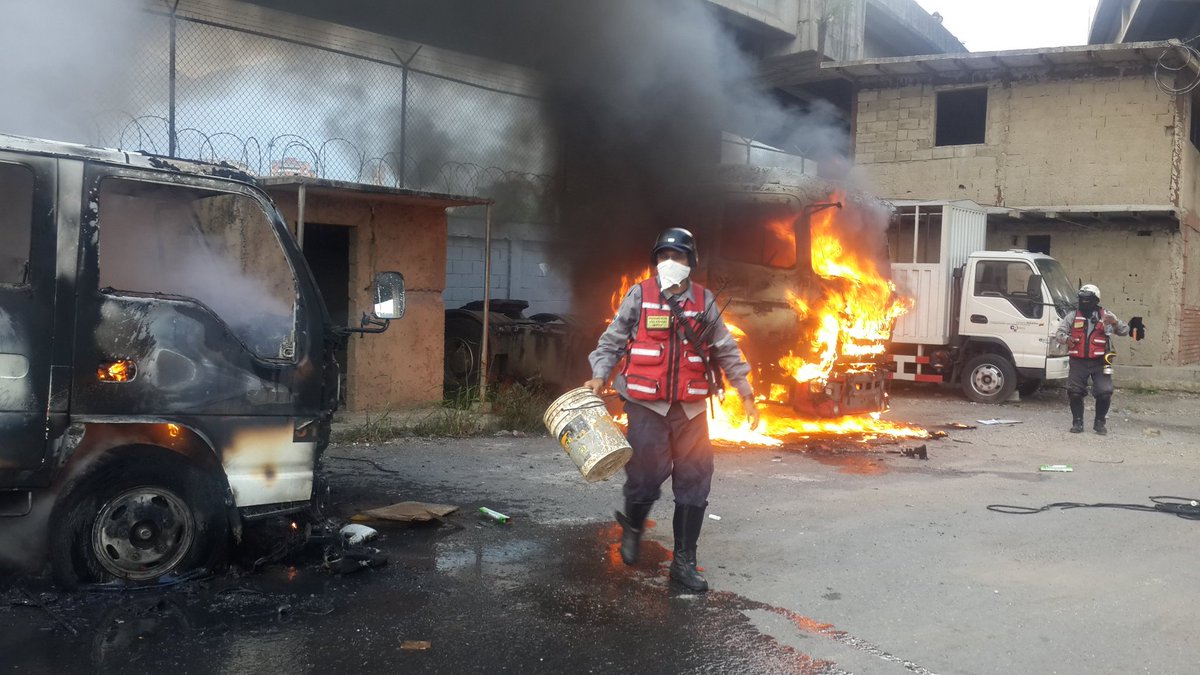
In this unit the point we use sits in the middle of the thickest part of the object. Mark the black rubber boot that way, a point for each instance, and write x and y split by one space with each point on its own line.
1076 414
1102 404
633 526
688 521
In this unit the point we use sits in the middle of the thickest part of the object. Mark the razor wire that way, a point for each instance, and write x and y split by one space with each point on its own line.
1167 74
273 106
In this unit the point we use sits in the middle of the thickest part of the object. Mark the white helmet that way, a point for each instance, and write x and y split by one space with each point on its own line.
1090 288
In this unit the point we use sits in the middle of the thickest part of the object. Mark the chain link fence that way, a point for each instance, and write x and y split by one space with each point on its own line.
277 106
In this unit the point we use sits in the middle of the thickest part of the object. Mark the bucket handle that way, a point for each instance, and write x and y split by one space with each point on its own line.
585 407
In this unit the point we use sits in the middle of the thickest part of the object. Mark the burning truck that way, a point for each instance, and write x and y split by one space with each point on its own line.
800 268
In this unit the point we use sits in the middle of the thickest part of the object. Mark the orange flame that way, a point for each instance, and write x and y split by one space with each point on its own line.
855 315
627 282
116 371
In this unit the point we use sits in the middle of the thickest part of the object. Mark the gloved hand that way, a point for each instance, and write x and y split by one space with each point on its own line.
751 410
1137 328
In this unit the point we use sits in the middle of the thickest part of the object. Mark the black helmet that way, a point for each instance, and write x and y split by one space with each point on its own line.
678 239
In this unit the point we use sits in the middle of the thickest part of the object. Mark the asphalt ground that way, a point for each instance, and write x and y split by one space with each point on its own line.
828 557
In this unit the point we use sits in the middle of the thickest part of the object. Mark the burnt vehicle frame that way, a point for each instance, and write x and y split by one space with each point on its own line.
152 421
740 206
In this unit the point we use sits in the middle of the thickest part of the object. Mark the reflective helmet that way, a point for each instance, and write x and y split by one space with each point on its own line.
675 238
1089 291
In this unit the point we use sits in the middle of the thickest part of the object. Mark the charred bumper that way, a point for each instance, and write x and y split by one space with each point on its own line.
842 394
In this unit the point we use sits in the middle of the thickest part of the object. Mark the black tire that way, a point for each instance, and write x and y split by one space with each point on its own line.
989 378
138 521
1028 387
462 351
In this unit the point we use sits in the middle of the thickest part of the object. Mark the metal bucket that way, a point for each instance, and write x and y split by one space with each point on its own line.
580 422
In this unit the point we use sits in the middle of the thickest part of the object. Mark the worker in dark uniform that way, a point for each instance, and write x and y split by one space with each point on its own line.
1088 332
675 347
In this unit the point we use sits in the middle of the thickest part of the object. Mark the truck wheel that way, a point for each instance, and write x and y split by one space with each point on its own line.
138 522
1028 387
462 352
989 378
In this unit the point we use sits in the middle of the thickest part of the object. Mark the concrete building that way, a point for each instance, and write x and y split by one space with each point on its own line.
1077 151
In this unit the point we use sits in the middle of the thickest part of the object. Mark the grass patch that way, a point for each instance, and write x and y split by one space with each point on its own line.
519 407
455 418
376 428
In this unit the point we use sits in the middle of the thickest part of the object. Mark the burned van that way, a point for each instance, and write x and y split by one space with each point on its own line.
166 361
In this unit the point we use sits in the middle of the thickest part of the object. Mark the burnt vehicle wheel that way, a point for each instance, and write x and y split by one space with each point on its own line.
1028 387
138 522
461 371
989 378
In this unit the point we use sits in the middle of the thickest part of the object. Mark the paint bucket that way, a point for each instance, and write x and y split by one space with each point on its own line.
580 422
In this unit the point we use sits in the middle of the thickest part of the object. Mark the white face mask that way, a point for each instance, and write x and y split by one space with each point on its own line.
671 273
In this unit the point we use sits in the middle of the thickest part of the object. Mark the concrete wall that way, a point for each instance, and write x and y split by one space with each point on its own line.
1049 142
1132 265
404 365
521 267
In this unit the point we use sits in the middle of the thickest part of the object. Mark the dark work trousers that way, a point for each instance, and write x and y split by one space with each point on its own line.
671 446
1083 369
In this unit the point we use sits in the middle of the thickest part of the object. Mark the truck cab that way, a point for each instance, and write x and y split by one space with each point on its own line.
756 225
167 368
982 319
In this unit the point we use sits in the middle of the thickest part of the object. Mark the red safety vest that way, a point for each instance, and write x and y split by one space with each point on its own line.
1092 346
662 364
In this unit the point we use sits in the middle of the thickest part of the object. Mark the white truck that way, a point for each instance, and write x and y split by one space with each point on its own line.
983 319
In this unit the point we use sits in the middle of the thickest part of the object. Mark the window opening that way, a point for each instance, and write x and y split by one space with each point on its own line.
961 116
217 248
16 223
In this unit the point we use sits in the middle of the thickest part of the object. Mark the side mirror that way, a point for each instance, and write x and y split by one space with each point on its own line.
389 304
389 296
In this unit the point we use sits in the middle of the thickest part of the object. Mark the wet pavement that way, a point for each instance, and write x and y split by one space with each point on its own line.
827 558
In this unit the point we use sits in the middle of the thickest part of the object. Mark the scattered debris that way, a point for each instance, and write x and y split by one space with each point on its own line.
495 515
959 425
1056 467
354 558
918 452
416 645
776 459
714 516
1151 431
406 512
996 421
355 534
938 433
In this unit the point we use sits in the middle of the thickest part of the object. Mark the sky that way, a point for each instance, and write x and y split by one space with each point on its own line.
1015 24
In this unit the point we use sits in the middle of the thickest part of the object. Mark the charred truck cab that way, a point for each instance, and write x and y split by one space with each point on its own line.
166 360
755 225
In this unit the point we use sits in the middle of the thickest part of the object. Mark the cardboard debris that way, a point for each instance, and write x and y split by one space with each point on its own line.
416 645
407 512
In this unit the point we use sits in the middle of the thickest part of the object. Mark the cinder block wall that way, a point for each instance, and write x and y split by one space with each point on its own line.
1136 267
402 366
1049 142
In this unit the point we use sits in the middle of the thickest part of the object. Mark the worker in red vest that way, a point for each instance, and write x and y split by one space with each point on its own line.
1087 332
674 346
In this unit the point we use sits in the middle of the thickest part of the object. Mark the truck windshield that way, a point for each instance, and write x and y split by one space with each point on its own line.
1062 293
760 234
215 247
